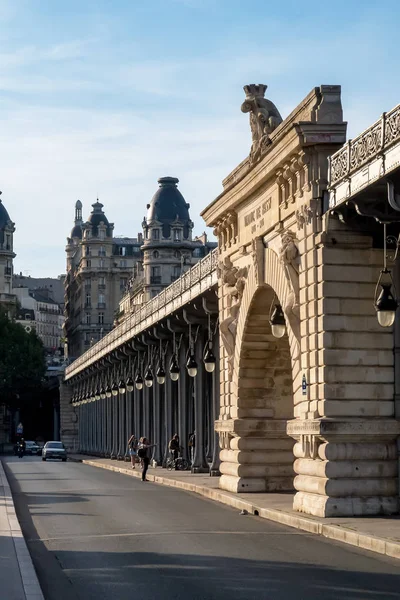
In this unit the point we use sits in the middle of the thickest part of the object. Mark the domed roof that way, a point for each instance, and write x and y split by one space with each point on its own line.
77 232
97 216
168 204
4 216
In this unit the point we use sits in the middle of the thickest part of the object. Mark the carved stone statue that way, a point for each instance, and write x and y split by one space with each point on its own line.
289 257
264 118
233 281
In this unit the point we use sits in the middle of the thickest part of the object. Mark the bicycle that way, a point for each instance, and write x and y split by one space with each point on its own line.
177 464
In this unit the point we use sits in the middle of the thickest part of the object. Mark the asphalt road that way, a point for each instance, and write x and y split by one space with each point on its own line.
98 535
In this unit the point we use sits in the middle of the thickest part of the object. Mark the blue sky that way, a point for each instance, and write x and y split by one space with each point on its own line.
102 98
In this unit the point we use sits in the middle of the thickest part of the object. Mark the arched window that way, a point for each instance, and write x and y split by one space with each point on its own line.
156 254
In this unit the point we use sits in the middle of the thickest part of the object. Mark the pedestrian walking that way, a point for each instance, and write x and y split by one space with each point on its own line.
192 446
143 449
133 445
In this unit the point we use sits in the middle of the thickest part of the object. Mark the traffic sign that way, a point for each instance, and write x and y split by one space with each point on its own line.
20 429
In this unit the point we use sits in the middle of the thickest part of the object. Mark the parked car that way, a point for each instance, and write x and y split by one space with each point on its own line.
54 450
31 447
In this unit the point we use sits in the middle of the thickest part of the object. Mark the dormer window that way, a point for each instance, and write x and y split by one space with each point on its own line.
177 235
156 234
102 234
122 250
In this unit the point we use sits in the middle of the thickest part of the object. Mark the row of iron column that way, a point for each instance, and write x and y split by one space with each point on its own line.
188 405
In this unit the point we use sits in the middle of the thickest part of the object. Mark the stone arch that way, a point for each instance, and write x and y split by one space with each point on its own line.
265 374
275 280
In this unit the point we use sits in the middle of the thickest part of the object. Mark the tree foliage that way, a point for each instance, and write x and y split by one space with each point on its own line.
22 364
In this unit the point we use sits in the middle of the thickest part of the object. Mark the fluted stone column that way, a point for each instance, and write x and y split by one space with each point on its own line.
109 427
215 379
122 426
158 395
170 388
200 464
128 423
183 402
115 425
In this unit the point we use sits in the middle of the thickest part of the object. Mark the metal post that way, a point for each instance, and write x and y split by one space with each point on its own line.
215 463
183 401
200 462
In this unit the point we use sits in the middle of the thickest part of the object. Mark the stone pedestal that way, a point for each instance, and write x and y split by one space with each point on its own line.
259 458
345 468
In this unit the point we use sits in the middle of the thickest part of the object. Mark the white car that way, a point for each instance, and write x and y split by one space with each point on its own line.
54 450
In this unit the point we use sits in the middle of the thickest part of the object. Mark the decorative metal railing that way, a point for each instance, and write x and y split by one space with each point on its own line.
206 266
367 146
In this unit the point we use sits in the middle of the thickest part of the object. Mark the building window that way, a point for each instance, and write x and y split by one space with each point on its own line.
88 263
102 234
122 263
102 251
102 281
156 234
102 301
101 318
198 252
177 254
156 254
8 241
122 251
88 284
88 318
155 276
88 299
123 282
87 251
102 263
177 235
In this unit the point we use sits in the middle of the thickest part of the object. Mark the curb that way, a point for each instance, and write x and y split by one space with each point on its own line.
30 582
339 533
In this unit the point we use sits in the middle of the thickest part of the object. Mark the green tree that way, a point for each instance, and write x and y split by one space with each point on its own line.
22 364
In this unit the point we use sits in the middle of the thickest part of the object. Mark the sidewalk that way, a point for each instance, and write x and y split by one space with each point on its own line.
17 574
377 534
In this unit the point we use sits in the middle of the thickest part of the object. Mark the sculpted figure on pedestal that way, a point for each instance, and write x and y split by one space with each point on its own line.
289 257
233 281
264 118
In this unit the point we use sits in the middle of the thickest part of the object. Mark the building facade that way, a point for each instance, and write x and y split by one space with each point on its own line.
7 255
168 249
38 311
99 267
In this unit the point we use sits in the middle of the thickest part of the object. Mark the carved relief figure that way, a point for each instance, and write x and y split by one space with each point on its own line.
289 257
233 281
264 118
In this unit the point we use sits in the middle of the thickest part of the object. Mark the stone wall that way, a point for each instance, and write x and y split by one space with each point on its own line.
68 419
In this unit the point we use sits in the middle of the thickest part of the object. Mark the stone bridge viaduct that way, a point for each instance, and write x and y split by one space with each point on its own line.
296 308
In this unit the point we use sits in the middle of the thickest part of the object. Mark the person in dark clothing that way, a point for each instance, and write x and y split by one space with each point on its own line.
174 446
143 448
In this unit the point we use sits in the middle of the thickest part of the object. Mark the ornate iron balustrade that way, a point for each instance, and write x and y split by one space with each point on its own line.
367 146
128 328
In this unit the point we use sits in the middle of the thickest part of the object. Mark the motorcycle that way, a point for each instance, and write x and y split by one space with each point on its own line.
20 451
